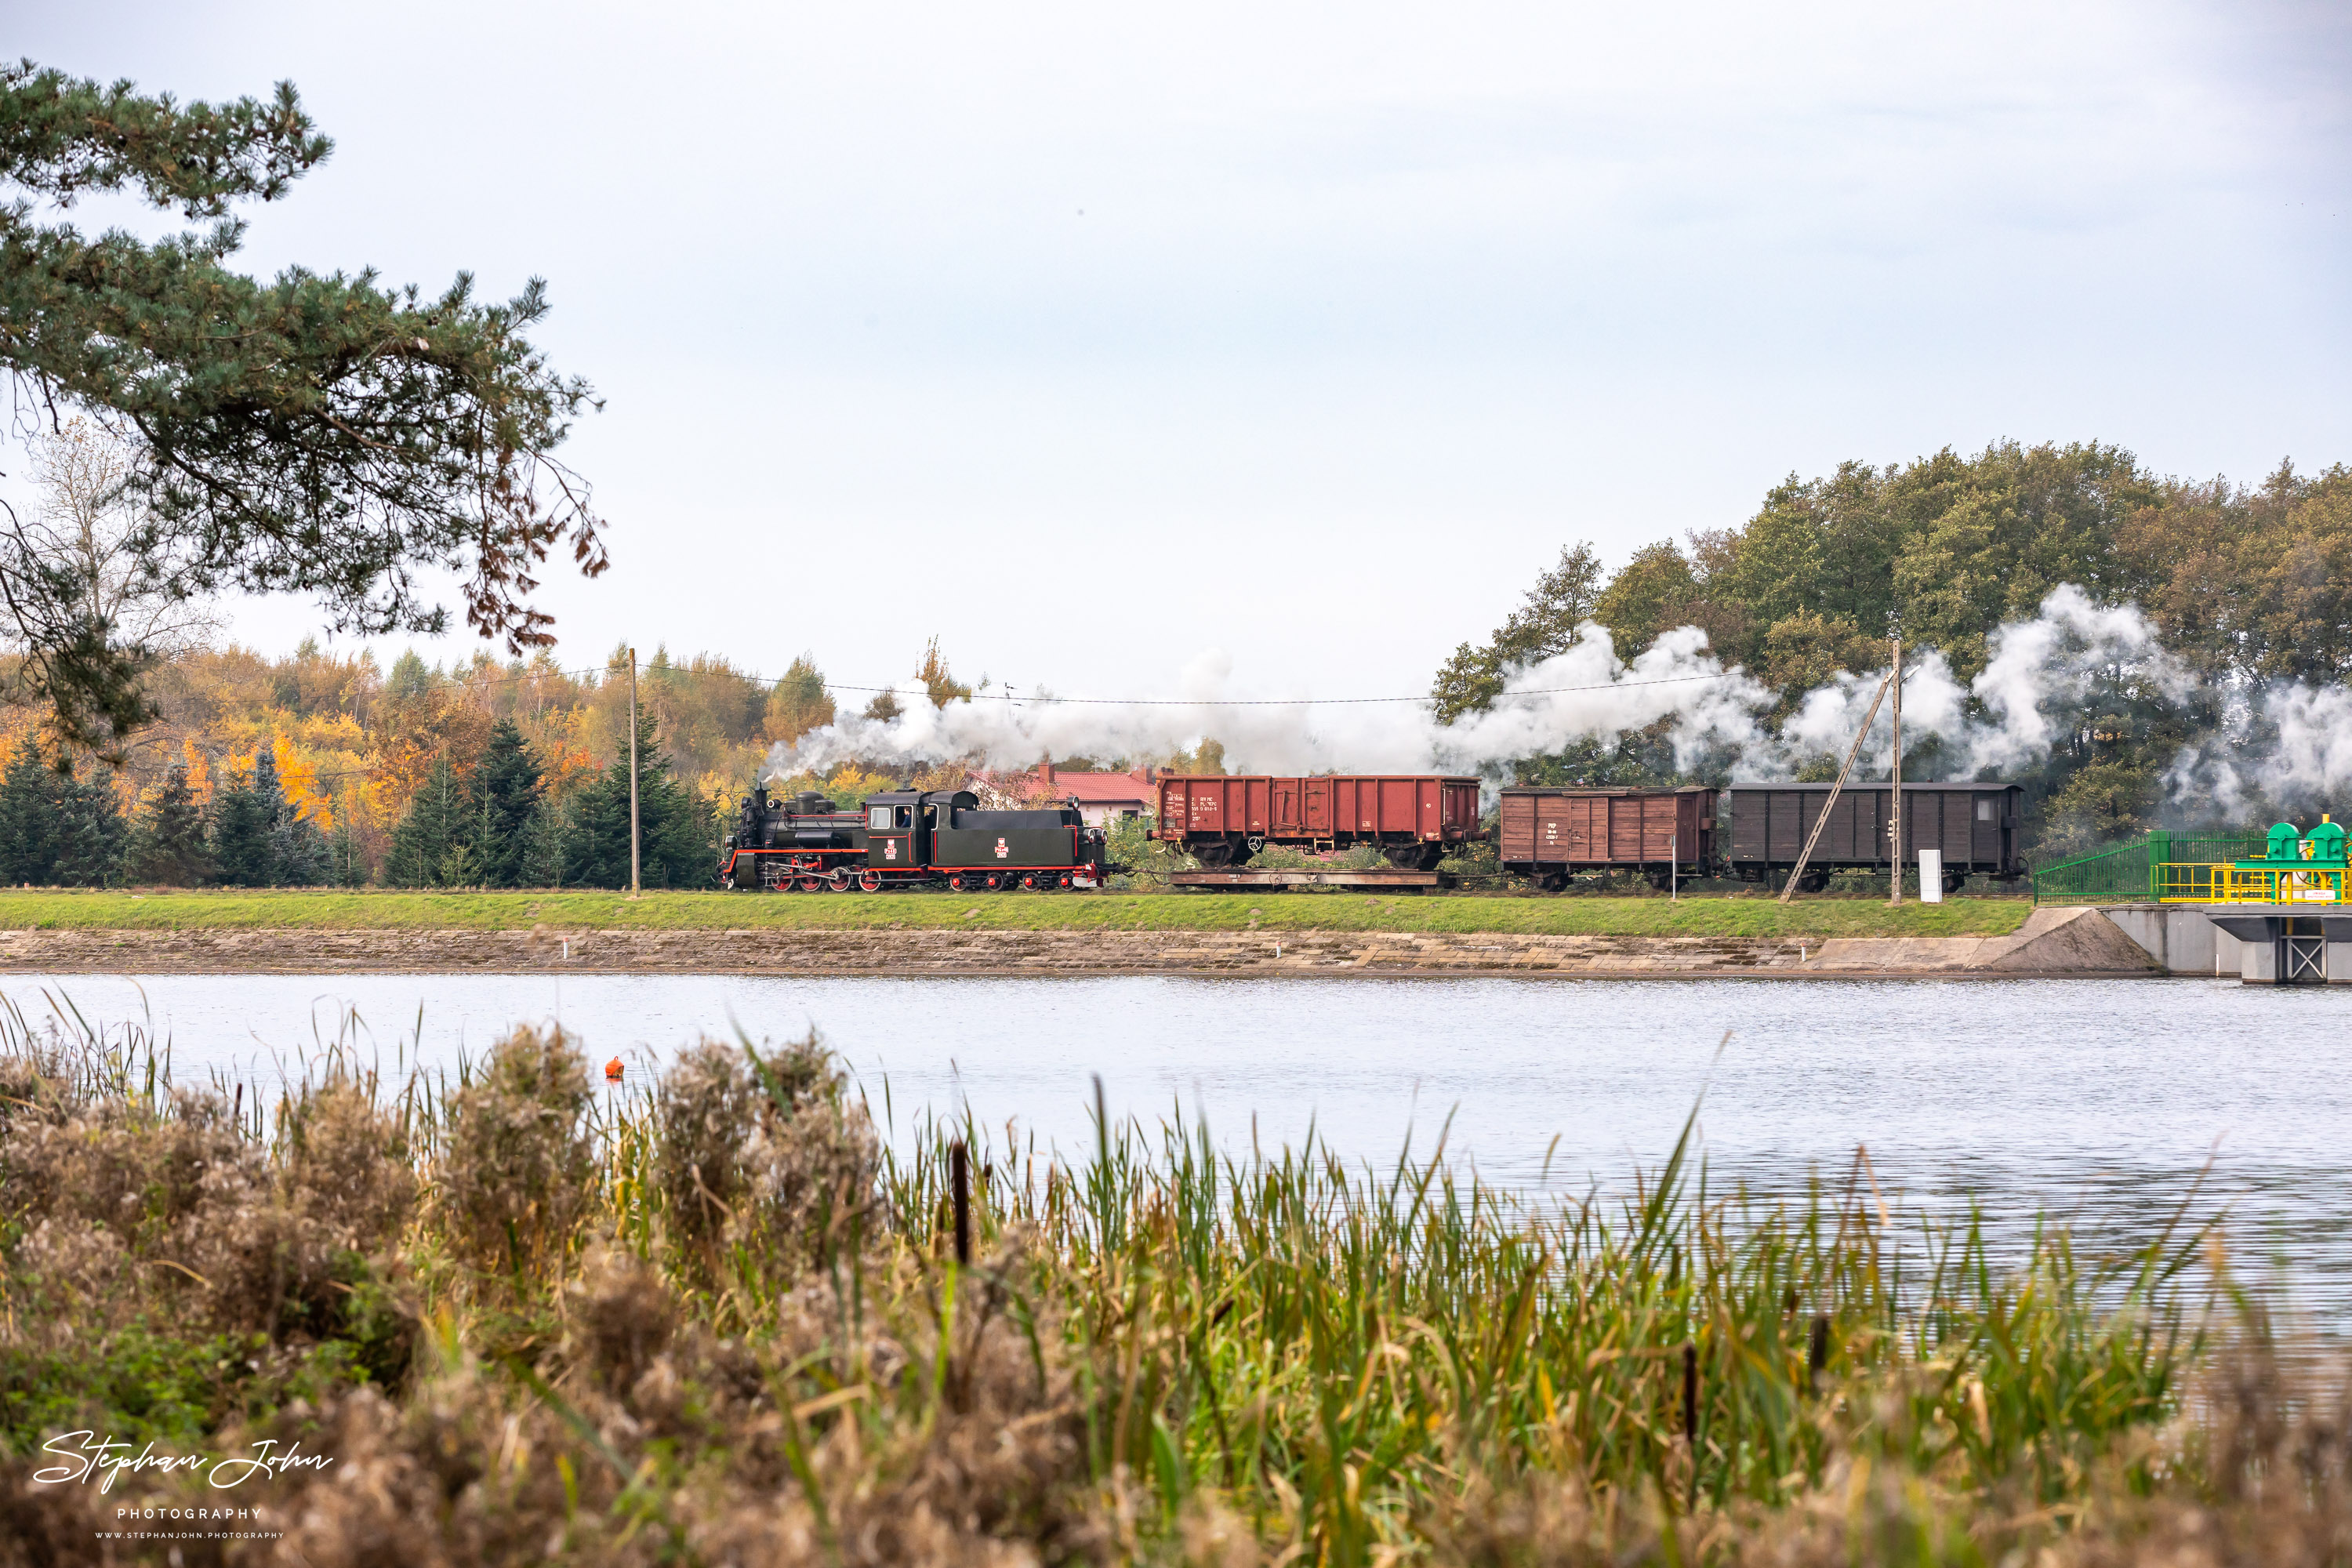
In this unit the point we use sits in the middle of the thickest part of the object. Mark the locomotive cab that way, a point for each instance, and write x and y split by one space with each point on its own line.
898 827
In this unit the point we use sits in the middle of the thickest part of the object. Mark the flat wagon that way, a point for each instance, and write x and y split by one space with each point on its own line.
1551 833
1223 819
1763 828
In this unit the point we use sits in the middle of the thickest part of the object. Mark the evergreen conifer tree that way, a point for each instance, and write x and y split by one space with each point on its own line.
278 423
28 817
545 840
56 829
501 799
245 838
347 867
168 842
93 845
672 829
432 847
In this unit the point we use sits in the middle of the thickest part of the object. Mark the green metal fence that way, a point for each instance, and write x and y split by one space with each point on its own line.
2131 872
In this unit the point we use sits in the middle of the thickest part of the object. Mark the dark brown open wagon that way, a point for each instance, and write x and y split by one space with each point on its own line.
1975 824
1553 831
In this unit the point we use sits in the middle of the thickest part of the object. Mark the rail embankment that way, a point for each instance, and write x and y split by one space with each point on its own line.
2049 943
340 910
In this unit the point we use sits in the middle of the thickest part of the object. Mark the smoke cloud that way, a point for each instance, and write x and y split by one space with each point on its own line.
2287 749
2040 675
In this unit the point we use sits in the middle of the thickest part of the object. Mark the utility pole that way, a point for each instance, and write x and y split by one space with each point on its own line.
633 773
1806 853
1895 895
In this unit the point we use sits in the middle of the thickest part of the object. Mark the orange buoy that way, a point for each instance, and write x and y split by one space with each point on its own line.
613 1070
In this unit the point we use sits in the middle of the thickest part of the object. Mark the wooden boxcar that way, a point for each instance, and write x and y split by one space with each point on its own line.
1552 833
1763 827
1223 819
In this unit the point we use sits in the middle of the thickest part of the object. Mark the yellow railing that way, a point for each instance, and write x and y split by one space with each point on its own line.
2224 884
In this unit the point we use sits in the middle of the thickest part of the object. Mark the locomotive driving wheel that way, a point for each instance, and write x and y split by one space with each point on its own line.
869 881
955 884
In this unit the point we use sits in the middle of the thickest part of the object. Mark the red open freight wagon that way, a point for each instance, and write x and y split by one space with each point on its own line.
1223 819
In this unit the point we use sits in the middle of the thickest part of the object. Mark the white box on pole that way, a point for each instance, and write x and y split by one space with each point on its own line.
1931 876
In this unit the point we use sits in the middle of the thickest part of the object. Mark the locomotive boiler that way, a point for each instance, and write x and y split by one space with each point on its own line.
903 838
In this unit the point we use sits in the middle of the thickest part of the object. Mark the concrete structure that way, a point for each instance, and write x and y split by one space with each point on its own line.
2259 945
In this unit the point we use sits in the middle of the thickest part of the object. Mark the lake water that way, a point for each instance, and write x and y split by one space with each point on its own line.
2100 1103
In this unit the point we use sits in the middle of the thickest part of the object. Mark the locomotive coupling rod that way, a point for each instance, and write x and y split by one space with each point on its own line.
1822 821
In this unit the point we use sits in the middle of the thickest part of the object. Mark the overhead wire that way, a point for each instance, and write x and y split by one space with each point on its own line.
471 681
1008 695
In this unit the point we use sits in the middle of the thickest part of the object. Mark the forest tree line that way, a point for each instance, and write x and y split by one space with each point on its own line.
2249 586
318 769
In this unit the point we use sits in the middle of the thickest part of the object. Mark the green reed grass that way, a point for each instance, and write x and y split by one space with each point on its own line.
1334 1345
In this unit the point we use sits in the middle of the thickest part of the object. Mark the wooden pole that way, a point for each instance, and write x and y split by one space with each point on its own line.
633 773
1822 821
1896 896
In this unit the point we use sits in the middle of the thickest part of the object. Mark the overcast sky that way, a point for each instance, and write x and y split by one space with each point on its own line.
1096 340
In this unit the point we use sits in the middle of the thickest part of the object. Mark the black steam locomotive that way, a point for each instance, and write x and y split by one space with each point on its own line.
901 838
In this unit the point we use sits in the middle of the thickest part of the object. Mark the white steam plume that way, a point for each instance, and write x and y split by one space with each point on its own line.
2040 675
2292 749
2040 671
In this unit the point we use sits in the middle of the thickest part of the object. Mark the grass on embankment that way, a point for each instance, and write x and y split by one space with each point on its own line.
389 911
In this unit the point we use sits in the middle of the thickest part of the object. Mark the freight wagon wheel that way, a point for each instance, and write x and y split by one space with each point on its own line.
1214 857
994 881
1553 881
1954 881
869 881
1028 884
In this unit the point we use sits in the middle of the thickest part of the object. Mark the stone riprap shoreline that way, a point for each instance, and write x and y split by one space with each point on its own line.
2052 942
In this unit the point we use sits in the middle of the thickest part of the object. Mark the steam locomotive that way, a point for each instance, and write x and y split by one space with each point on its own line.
902 838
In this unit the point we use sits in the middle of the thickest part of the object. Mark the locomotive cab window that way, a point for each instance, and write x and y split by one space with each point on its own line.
878 819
